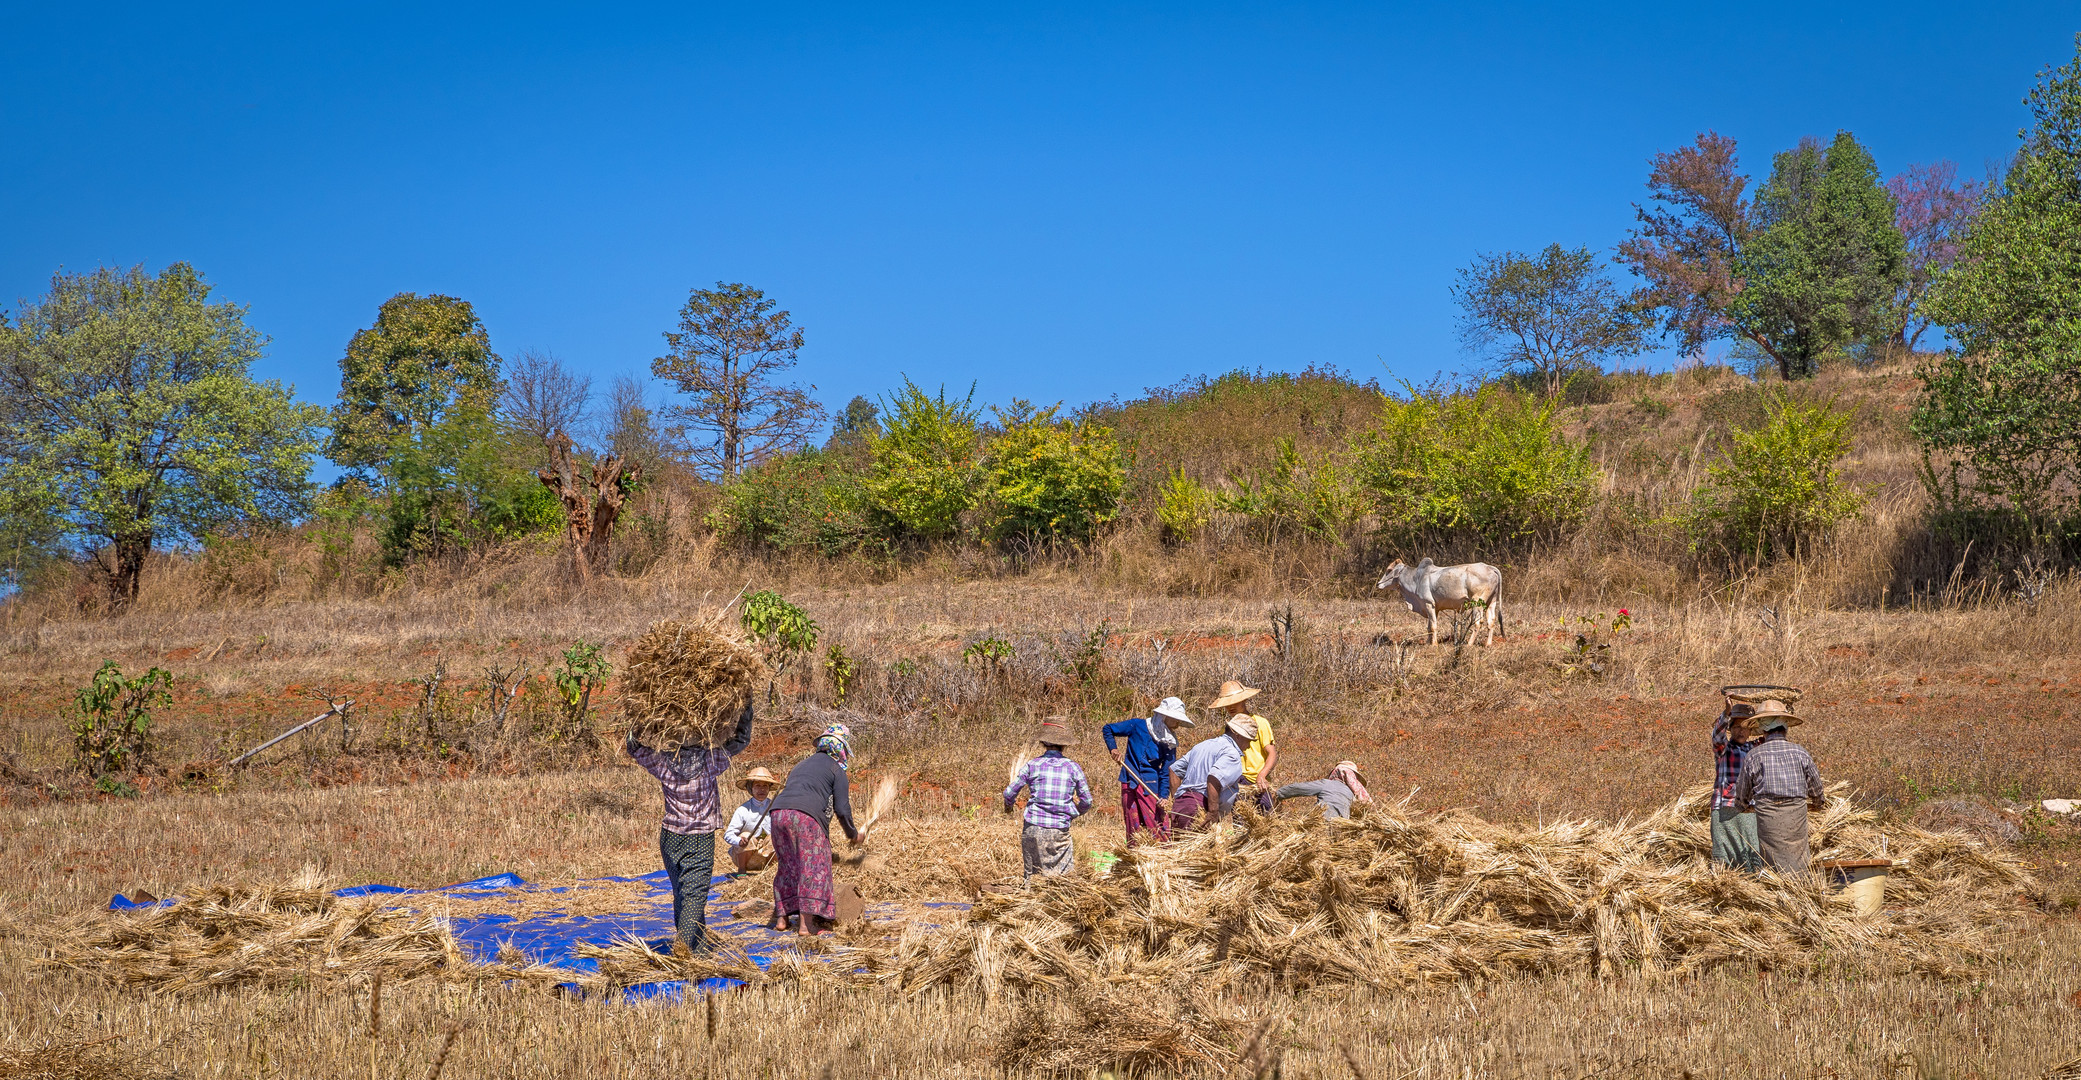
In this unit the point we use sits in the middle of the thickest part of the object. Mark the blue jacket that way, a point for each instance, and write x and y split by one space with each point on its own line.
1149 759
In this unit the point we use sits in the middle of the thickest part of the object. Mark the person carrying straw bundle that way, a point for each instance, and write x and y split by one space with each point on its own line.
1333 793
1779 780
1262 755
1209 775
693 812
1145 766
817 786
1733 830
749 830
1056 794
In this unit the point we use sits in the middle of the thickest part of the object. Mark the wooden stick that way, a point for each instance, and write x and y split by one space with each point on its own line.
339 710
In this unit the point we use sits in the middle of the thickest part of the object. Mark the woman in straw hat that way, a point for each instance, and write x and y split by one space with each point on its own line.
1056 794
1333 793
1733 830
817 787
1779 780
748 826
1208 777
1145 766
1262 755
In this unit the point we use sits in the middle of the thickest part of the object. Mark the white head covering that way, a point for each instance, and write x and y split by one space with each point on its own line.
1175 709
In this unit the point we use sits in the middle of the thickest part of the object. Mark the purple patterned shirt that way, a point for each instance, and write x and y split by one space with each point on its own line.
692 805
1059 790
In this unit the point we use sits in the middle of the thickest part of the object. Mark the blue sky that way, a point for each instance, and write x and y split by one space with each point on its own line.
1056 203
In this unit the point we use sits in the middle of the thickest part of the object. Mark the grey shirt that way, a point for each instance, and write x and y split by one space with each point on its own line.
1334 796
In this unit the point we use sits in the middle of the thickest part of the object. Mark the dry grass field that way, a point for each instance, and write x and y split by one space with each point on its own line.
1976 700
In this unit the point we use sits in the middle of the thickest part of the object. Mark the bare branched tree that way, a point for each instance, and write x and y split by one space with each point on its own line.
542 396
1546 316
627 426
729 347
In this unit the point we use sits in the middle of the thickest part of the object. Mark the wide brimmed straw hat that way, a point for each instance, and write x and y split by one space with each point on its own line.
1244 726
760 775
1233 692
1353 766
1055 731
1770 713
1176 710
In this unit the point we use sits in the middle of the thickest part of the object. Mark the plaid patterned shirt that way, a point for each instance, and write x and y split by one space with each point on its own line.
692 804
1727 758
1059 790
1778 768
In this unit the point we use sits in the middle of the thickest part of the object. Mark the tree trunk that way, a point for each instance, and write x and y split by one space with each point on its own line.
589 510
129 554
562 477
612 477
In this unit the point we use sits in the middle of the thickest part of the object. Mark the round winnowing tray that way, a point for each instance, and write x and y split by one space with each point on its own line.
1754 693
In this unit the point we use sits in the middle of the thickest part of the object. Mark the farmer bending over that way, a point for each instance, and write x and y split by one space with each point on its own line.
1333 793
1209 775
1057 793
693 811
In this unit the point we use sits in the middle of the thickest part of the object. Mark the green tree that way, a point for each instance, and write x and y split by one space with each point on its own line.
1546 316
2007 398
1778 487
425 362
1045 479
128 417
728 349
923 477
1826 261
1311 494
812 499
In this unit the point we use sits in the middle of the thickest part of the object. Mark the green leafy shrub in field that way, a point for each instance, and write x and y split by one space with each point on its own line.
584 669
1777 487
814 499
1295 494
785 632
1491 466
1046 479
112 719
923 477
1184 507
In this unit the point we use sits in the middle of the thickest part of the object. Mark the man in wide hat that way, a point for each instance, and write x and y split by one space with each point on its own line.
1779 780
1057 793
1261 756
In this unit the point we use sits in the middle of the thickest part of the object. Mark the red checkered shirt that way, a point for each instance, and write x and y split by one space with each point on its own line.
1727 758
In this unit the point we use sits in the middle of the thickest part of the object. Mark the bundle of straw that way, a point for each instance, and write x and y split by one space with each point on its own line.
686 684
884 798
1026 753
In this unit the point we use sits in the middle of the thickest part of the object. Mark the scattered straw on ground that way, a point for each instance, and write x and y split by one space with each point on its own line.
270 935
76 1058
685 685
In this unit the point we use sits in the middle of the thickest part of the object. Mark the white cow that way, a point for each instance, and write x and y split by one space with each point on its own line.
1429 589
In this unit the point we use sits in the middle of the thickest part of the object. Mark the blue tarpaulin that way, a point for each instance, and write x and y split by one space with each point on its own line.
549 936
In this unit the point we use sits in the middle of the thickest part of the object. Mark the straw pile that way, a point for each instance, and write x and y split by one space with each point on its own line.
1397 897
685 684
269 935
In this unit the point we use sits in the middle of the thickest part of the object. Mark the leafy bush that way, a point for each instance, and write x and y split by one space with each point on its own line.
112 719
1776 488
1310 495
583 670
1045 479
1184 507
1491 466
924 473
813 499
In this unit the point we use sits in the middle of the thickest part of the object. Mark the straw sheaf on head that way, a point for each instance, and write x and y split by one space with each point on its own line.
686 684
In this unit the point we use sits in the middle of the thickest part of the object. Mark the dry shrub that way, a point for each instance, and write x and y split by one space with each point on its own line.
685 685
1976 818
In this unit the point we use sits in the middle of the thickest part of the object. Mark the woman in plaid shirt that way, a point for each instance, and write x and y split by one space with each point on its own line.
1733 830
1057 793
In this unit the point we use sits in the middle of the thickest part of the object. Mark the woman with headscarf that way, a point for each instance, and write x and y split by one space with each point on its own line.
817 786
1145 766
1333 793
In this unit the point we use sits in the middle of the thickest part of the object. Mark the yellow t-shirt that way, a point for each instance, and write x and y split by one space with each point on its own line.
1254 754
